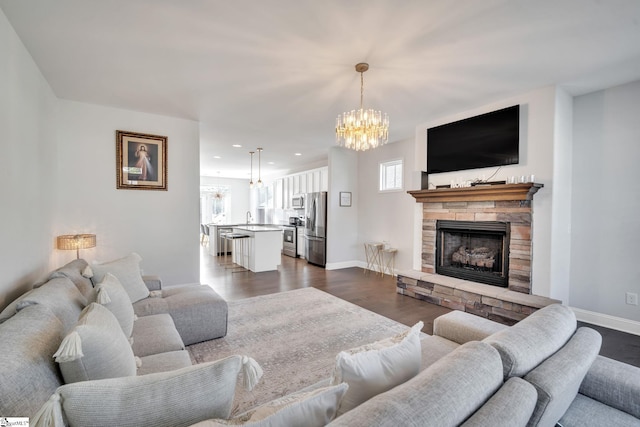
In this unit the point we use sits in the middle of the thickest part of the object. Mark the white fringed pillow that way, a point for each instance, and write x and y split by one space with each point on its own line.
180 397
96 348
127 270
111 294
309 409
375 368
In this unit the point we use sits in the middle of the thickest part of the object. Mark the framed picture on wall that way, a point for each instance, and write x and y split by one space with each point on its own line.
345 198
141 161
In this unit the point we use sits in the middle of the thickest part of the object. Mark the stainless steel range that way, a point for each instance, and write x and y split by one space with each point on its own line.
290 240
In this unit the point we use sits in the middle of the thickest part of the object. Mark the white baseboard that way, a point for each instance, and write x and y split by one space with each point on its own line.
611 322
344 264
349 264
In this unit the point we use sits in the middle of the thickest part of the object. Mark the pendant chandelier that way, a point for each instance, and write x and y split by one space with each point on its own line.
362 129
219 193
259 183
251 181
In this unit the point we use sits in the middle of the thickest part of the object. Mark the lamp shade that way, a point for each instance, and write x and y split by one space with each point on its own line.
76 241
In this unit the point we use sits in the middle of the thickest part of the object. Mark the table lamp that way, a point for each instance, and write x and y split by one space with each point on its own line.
77 242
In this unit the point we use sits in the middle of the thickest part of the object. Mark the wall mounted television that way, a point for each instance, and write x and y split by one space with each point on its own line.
490 139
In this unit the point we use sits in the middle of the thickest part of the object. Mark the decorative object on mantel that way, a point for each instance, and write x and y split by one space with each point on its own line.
478 193
76 241
141 161
345 198
362 129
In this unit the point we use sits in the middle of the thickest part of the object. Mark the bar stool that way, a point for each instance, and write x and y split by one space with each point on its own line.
239 251
225 261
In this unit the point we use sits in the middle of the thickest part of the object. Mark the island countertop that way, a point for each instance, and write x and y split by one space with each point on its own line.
257 228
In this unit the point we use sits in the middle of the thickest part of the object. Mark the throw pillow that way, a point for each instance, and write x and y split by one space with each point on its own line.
113 296
309 409
96 348
127 270
375 368
180 397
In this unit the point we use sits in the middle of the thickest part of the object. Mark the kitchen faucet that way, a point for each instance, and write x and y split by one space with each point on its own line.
249 217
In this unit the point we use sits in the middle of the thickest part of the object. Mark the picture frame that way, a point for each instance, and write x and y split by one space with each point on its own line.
141 161
345 198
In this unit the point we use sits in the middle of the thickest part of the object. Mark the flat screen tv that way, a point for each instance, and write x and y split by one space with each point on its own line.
490 139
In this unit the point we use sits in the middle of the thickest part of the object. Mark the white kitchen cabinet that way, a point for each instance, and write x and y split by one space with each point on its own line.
289 191
303 183
324 179
296 185
278 194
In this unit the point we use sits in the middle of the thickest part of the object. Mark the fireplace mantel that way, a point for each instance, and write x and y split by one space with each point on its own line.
478 193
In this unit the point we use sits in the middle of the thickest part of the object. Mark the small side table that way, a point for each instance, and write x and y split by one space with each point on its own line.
372 252
388 260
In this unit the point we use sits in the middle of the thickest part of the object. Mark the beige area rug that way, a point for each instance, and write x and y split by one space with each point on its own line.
295 337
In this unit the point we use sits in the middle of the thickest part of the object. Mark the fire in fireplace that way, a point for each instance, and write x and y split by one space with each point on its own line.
473 250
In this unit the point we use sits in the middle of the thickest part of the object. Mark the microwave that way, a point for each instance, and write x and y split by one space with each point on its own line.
297 202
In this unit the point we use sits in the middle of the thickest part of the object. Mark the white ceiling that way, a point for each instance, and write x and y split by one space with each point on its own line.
275 73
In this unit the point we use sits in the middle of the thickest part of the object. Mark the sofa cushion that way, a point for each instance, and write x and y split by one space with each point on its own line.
309 409
163 362
558 378
444 394
377 367
155 334
29 374
613 383
110 293
96 348
526 344
60 295
461 327
127 270
74 272
169 399
585 411
512 405
199 313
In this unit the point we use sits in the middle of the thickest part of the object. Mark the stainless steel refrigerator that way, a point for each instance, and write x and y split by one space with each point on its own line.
315 228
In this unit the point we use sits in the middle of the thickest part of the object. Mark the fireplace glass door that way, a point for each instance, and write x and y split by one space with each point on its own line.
473 250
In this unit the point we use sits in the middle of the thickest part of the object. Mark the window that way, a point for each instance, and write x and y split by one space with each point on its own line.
391 175
215 204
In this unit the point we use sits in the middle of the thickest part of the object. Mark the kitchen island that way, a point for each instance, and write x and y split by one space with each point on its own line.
262 249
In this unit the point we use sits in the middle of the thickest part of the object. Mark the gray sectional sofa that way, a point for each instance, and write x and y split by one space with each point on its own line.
475 372
540 372
33 327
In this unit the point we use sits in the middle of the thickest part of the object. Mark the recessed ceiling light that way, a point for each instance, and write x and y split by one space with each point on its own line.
298 154
237 145
271 163
217 157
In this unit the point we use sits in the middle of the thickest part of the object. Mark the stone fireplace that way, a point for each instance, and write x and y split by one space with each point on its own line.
477 251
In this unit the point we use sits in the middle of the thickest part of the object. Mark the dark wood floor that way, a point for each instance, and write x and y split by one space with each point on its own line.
368 290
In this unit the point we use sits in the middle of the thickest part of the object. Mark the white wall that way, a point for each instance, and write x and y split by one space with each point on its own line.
606 201
342 222
161 226
560 244
387 216
27 167
537 136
